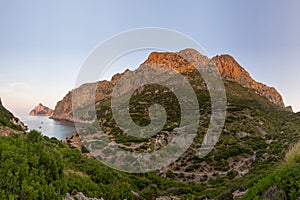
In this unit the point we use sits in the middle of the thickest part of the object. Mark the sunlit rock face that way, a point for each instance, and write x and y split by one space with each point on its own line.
41 110
182 62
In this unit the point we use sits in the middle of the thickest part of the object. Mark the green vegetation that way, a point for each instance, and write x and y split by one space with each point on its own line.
253 143
252 152
37 167
6 118
283 182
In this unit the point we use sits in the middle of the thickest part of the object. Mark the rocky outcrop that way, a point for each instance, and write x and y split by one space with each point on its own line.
6 131
41 110
289 108
74 141
18 122
63 109
79 196
226 64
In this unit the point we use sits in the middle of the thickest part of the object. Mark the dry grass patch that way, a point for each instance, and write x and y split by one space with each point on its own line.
292 153
70 172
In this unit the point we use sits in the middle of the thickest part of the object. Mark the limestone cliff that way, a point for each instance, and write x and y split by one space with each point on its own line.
63 109
231 70
226 65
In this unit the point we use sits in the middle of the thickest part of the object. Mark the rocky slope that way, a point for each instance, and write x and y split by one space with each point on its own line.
41 110
232 71
226 64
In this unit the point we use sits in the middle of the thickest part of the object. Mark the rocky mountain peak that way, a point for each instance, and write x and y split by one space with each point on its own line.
181 62
186 60
231 70
194 57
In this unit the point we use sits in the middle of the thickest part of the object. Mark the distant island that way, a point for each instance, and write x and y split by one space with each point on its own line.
41 110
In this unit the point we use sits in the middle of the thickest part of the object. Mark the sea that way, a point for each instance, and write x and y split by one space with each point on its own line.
59 129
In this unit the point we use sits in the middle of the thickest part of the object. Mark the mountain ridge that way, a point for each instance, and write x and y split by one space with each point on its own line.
228 67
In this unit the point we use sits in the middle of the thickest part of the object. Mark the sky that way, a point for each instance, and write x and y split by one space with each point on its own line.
43 43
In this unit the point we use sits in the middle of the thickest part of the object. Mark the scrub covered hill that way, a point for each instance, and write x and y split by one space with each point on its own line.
37 167
256 136
258 131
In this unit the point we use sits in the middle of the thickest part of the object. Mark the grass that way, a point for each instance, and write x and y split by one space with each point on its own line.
293 154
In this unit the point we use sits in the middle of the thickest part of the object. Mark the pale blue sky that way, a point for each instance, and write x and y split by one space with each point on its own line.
43 43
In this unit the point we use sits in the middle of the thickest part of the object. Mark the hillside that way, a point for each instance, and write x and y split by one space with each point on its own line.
258 130
9 124
38 167
282 182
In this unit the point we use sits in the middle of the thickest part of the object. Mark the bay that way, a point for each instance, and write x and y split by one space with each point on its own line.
59 129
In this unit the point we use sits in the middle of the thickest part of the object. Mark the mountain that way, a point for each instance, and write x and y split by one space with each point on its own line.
226 64
251 157
41 110
231 70
228 67
9 124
